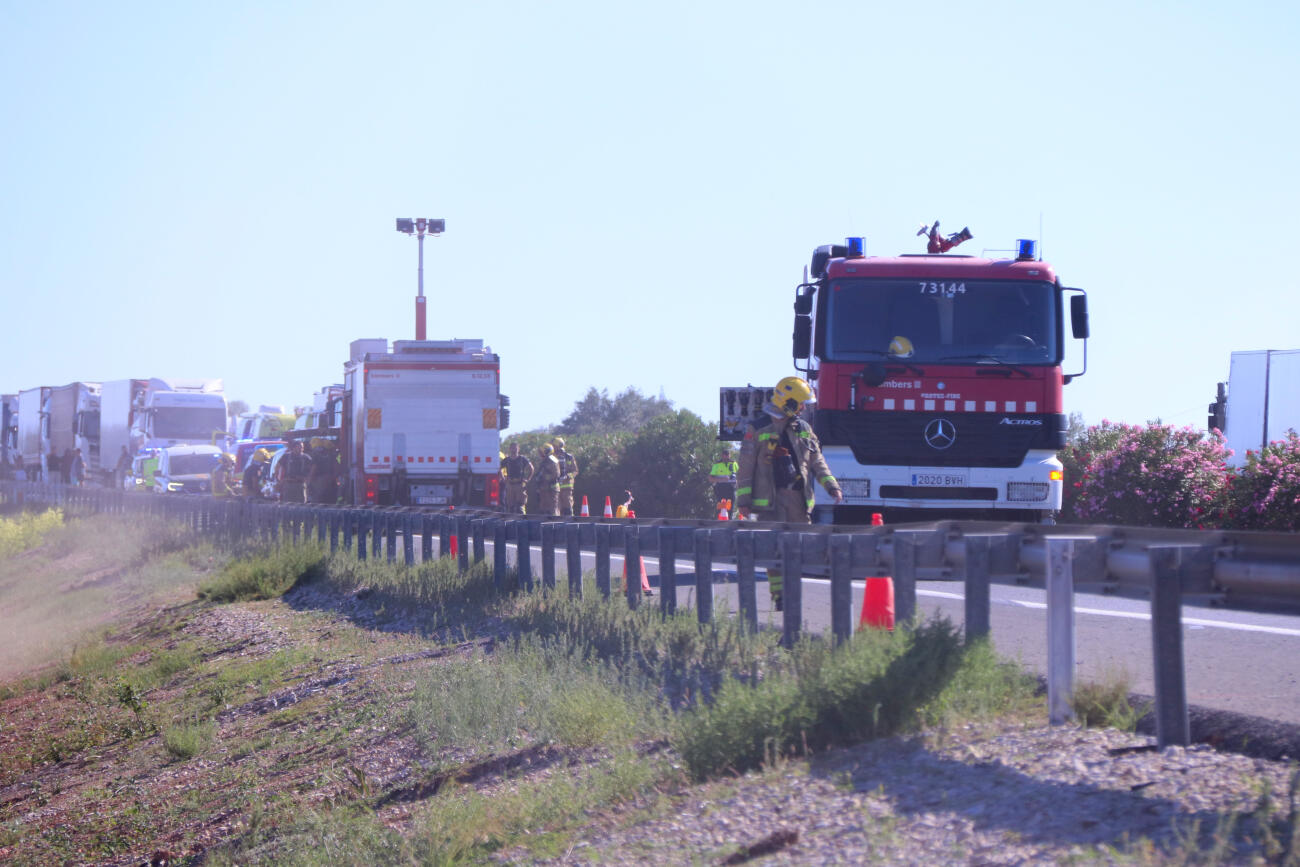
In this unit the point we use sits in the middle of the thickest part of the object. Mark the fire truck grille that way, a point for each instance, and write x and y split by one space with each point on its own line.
940 440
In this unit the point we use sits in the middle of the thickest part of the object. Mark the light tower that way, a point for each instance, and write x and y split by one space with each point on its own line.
419 227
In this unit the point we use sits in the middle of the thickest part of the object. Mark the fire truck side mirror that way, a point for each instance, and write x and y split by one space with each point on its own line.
803 303
802 336
1079 316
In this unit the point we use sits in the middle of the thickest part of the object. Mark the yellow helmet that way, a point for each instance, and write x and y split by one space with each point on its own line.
901 347
227 458
558 442
262 455
547 450
790 394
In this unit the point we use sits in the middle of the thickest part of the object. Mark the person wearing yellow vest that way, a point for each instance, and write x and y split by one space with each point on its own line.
568 473
223 475
723 475
780 460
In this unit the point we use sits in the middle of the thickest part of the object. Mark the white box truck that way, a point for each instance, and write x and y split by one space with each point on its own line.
157 413
421 424
1260 401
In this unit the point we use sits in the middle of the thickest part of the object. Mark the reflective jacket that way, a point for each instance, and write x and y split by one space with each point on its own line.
755 484
547 474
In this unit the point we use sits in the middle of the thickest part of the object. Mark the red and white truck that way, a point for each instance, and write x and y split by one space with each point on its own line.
938 380
421 424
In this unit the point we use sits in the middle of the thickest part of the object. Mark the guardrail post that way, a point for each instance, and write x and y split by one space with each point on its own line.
978 568
548 556
462 543
444 535
480 543
791 547
1060 629
573 553
524 553
499 564
746 584
602 559
349 519
409 522
426 537
905 545
841 557
703 575
667 571
632 564
334 514
391 520
363 531
1172 724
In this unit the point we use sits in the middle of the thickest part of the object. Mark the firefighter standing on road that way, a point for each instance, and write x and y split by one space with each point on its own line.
223 476
546 482
568 472
518 470
293 472
780 459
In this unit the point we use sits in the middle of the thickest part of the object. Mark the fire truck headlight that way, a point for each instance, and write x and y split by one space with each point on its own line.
1027 492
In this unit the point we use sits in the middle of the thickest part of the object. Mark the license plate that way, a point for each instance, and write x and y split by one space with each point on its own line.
855 487
938 480
430 501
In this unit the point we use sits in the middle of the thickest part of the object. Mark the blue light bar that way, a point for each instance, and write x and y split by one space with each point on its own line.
857 247
1026 249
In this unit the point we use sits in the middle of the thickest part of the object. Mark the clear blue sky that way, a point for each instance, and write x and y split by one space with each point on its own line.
631 192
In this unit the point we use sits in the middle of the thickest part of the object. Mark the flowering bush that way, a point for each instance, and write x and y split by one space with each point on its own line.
1265 493
1152 476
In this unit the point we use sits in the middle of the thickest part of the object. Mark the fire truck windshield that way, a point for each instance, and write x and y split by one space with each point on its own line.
974 321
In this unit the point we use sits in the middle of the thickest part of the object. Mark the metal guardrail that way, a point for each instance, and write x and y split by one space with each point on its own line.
1258 570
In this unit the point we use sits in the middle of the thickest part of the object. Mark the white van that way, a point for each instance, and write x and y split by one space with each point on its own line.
186 469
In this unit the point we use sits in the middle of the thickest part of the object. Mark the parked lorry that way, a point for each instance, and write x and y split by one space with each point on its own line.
938 381
1260 402
70 419
31 404
267 422
8 432
158 413
421 424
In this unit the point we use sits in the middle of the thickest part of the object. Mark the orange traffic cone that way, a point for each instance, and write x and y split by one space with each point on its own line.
877 519
724 510
585 513
645 582
878 604
455 536
609 510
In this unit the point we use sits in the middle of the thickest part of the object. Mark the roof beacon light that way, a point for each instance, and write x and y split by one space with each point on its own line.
857 247
1026 249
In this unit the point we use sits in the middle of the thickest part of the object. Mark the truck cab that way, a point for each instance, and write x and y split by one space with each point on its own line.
185 469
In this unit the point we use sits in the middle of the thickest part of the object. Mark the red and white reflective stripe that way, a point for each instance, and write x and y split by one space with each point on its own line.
966 405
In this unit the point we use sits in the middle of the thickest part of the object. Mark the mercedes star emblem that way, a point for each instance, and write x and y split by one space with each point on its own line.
940 433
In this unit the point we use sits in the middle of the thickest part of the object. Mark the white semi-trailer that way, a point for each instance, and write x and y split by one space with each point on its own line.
1260 402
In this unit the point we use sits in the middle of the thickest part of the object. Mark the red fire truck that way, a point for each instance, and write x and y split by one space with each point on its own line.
938 380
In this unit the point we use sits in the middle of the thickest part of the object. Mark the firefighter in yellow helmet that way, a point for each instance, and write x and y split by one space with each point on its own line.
546 481
223 476
568 473
780 459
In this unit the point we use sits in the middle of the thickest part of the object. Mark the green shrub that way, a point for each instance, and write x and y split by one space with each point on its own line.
27 530
186 739
265 574
875 685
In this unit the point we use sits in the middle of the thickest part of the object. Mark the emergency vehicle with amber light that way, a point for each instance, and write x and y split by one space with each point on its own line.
938 381
421 424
